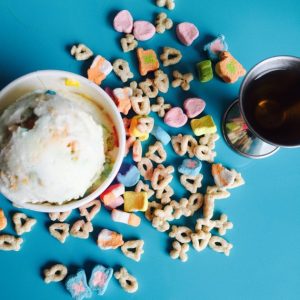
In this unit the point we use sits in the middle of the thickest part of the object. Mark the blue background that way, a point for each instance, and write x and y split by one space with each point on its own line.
265 260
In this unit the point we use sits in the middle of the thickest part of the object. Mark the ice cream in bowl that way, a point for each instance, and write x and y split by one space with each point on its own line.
62 141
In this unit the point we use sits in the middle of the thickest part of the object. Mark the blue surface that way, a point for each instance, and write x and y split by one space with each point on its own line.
265 260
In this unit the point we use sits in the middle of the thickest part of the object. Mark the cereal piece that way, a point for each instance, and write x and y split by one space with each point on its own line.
81 229
200 240
161 135
217 192
205 71
169 4
204 153
180 208
238 180
134 131
163 23
55 273
108 239
160 224
100 278
222 176
78 287
143 30
215 47
22 223
94 208
170 56
161 177
165 194
204 125
133 249
209 202
72 82
219 244
195 202
122 70
122 98
126 218
148 61
190 167
181 233
60 231
137 151
140 105
143 187
149 88
10 242
157 153
145 124
127 281
136 92
193 107
128 43
179 251
135 201
182 80
3 220
228 68
152 206
60 216
123 21
207 224
99 69
131 177
161 81
145 167
187 33
112 192
160 107
191 183
209 140
81 52
166 213
175 117
183 144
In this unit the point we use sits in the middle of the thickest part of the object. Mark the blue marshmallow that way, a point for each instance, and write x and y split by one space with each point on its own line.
190 167
77 286
161 135
100 279
130 177
216 46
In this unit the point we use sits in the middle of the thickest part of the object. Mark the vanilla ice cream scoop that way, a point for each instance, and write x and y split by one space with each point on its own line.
51 149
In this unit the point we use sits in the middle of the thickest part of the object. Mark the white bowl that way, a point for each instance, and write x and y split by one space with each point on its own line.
55 80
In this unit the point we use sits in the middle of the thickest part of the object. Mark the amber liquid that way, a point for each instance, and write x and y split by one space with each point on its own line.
272 106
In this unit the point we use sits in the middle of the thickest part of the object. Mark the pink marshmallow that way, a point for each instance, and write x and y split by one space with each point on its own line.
187 33
143 30
114 203
120 216
193 107
123 22
175 117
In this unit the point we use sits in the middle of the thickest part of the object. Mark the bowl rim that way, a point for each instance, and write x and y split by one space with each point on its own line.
120 132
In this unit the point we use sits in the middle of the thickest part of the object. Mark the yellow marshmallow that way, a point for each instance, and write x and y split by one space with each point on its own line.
204 125
135 201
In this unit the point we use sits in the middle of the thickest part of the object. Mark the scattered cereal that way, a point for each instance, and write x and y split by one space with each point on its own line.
157 153
141 106
209 140
126 280
135 201
81 52
228 68
215 47
122 70
133 249
10 242
136 92
148 61
161 81
187 33
163 23
143 30
3 220
183 144
99 69
161 177
182 80
170 4
145 167
22 223
78 287
90 210
60 231
128 43
123 21
126 218
200 240
81 229
59 216
152 206
165 194
170 56
100 278
205 153
219 244
207 224
131 177
143 187
149 88
205 71
179 251
191 182
175 117
145 124
160 107
55 273
108 239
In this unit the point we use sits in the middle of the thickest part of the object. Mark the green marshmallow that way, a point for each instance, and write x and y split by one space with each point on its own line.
205 71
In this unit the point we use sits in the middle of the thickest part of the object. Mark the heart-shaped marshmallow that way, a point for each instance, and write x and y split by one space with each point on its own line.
175 117
187 33
123 21
193 107
143 30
